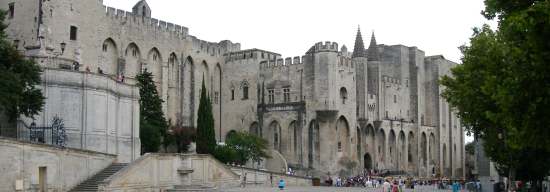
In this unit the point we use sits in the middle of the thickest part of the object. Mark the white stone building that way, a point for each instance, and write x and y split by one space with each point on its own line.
378 107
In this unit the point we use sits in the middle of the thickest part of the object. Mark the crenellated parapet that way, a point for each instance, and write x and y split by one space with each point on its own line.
250 54
130 18
278 64
390 81
327 46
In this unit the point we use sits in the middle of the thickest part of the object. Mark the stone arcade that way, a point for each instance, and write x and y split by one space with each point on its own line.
375 108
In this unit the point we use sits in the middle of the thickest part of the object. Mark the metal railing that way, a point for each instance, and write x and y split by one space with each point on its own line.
54 134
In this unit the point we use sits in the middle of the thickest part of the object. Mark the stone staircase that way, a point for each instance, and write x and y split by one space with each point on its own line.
92 184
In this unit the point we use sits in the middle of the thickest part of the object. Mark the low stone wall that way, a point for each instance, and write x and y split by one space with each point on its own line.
267 178
159 172
20 163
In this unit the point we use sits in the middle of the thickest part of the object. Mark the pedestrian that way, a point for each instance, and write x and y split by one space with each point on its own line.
271 179
282 184
386 187
243 181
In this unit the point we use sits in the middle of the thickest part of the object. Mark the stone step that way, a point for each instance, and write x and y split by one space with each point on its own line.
92 184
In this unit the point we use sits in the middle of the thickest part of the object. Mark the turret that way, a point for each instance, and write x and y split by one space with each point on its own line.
359 48
142 9
373 54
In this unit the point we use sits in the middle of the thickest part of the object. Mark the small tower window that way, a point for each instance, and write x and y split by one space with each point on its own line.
394 98
74 31
232 94
343 94
271 96
11 10
286 95
245 92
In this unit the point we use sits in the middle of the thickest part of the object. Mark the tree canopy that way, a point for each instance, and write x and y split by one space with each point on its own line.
501 90
153 125
206 136
18 80
248 147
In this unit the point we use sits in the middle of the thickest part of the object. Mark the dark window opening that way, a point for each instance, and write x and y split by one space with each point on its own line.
74 31
232 94
11 10
105 47
339 146
245 92
271 96
144 9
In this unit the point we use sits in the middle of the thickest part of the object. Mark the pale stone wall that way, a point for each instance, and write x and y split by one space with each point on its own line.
315 128
158 172
99 113
65 168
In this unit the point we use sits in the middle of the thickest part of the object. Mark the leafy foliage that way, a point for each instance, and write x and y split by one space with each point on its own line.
248 147
226 154
206 138
182 137
18 80
501 90
153 125
470 148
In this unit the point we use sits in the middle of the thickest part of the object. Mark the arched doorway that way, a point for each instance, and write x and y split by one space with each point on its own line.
423 150
275 135
154 65
343 136
254 129
381 148
189 91
392 150
314 151
367 161
402 152
109 57
133 61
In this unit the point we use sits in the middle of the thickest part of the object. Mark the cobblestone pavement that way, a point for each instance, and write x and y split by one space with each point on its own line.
324 189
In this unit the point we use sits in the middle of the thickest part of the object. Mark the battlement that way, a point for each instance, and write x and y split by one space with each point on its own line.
251 54
146 22
281 63
327 46
391 80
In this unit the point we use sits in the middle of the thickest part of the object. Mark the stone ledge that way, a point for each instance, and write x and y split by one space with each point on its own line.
68 149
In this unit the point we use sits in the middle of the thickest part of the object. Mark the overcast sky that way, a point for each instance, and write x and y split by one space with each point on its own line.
290 27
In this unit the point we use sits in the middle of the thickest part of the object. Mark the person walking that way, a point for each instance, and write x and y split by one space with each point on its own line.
243 180
282 184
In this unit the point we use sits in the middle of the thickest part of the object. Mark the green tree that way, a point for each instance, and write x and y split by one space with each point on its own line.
470 148
248 147
153 125
501 90
206 138
18 80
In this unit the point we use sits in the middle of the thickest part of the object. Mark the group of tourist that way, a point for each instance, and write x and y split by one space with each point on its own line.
390 184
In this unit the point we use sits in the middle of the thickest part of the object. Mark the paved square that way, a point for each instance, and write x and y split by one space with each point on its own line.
324 189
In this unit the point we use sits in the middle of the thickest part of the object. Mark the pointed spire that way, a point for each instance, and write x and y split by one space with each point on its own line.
372 53
359 48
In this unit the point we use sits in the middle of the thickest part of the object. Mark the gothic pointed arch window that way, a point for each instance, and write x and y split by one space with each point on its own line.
245 87
343 94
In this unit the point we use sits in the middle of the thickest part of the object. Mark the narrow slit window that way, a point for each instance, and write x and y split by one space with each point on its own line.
74 31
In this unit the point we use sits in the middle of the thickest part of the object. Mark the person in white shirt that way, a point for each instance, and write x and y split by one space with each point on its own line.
386 187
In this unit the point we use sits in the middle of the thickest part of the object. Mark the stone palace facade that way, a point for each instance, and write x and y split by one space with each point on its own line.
329 110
